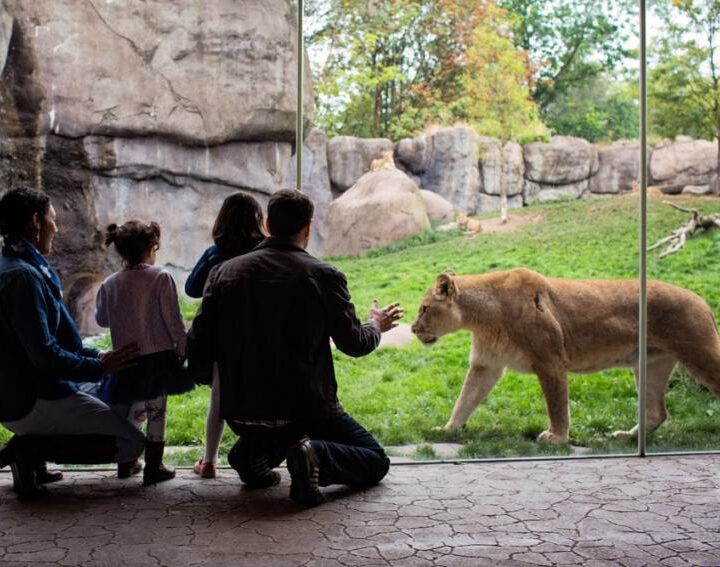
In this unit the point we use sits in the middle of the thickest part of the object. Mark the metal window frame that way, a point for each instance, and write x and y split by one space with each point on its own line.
642 315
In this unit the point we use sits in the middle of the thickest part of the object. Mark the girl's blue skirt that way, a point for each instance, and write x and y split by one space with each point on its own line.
152 375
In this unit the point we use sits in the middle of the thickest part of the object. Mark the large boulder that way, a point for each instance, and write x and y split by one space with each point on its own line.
619 168
201 73
138 109
257 167
316 183
438 209
685 161
563 161
501 164
537 193
124 188
413 154
349 158
80 296
492 202
382 207
452 170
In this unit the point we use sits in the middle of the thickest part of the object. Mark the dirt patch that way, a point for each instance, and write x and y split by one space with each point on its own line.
490 226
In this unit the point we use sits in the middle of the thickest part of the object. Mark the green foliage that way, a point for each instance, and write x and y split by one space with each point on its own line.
599 110
570 42
495 81
387 67
391 67
684 84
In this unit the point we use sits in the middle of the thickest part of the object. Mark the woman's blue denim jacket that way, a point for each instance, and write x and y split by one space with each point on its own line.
41 352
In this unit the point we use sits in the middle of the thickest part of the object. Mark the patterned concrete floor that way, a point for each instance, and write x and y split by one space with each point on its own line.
630 512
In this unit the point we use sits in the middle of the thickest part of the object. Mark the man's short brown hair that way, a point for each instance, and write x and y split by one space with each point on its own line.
288 211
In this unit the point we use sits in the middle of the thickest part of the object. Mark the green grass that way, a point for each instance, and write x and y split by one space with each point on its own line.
402 395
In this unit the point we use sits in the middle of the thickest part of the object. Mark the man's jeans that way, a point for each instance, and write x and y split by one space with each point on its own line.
348 453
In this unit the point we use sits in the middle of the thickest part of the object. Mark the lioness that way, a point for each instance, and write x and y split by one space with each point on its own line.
548 326
471 226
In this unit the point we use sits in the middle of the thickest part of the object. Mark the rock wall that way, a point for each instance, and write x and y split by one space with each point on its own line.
381 207
155 110
469 170
315 182
682 162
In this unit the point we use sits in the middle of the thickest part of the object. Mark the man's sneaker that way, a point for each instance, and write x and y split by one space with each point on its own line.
258 474
304 466
254 472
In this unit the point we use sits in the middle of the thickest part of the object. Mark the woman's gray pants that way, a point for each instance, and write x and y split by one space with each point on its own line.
80 414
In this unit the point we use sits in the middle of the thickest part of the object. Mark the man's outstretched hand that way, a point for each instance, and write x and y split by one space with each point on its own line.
387 317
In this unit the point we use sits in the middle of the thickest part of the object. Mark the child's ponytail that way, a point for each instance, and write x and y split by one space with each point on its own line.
110 234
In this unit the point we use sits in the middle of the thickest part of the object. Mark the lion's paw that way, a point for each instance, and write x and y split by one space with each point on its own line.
550 437
623 434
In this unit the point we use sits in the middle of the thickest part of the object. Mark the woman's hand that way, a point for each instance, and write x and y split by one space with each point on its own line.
115 360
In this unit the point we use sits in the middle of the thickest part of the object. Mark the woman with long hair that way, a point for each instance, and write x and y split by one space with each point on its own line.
237 230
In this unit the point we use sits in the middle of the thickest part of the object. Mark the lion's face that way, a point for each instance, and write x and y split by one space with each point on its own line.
438 314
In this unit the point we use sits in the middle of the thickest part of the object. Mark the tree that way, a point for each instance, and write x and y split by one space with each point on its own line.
685 83
677 102
570 42
602 109
388 67
497 87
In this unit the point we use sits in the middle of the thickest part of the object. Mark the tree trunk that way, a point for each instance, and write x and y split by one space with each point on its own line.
503 185
715 182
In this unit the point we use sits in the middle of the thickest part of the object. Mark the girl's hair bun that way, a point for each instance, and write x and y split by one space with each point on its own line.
110 234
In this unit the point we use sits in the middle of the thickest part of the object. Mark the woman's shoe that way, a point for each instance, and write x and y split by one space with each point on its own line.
205 469
25 483
44 476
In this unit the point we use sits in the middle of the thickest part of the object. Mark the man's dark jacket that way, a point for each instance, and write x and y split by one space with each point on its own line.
266 319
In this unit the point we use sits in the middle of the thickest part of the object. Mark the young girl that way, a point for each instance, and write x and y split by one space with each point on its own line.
140 305
238 229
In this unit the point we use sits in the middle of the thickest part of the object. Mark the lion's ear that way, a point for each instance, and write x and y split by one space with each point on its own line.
450 272
444 287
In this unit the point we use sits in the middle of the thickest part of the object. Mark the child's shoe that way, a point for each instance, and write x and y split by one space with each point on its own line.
205 469
155 471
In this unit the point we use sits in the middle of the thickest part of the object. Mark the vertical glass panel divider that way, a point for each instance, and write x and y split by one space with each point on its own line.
642 315
299 110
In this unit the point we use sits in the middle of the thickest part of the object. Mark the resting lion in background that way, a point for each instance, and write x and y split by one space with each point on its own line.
549 327
384 162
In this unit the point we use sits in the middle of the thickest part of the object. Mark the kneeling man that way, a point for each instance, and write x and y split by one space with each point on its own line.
266 319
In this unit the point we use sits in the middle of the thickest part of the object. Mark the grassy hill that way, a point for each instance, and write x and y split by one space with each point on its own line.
402 395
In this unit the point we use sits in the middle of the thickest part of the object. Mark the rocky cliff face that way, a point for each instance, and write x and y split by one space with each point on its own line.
159 110
153 110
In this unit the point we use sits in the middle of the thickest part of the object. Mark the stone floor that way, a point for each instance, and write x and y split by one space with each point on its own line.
629 511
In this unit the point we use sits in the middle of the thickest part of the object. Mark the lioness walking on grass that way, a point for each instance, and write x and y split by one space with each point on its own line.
548 326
